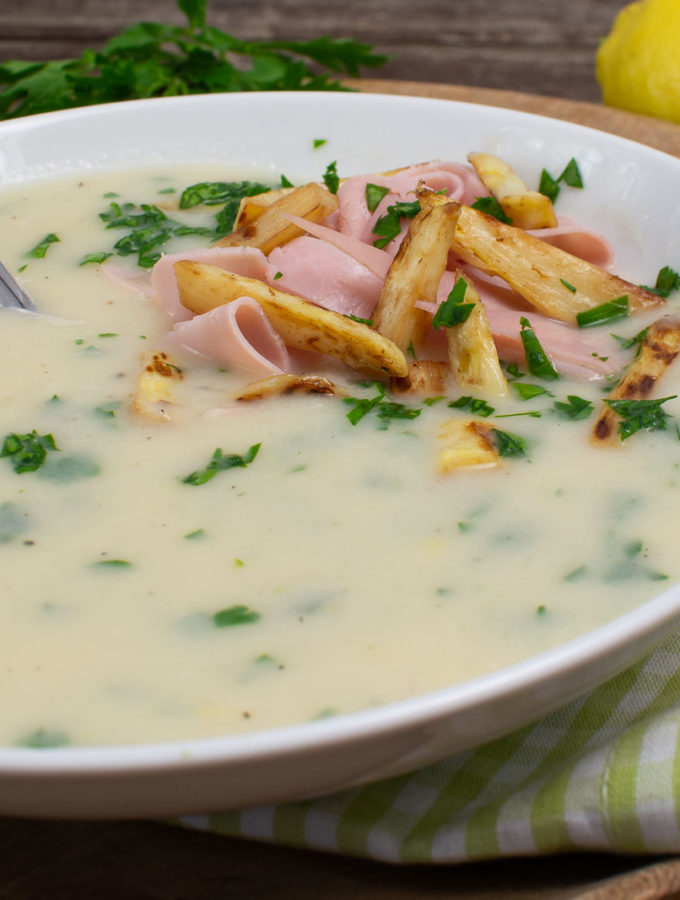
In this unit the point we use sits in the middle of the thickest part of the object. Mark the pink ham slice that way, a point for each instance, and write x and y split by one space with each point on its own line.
574 353
237 335
579 241
355 219
240 260
327 276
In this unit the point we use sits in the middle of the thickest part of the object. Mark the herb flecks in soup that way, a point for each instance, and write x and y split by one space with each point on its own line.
225 508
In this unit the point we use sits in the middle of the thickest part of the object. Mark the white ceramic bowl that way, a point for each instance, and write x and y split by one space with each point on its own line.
275 132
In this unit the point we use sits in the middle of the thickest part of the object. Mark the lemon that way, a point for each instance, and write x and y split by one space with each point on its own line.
638 63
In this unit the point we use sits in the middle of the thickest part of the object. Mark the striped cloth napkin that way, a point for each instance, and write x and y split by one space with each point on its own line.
602 773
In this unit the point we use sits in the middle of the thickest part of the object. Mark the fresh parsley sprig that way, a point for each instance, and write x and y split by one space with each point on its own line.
220 462
386 410
570 175
538 361
638 414
153 59
388 226
453 311
27 452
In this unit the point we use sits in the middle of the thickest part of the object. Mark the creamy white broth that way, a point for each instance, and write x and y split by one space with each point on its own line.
374 578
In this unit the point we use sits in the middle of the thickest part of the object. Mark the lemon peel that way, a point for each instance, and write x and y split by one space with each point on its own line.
638 63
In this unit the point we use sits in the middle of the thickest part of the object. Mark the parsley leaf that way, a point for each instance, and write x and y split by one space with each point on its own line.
453 311
570 175
220 462
527 391
538 361
637 339
386 410
667 280
611 311
389 225
510 444
492 207
330 177
152 59
476 406
638 414
574 408
41 248
27 452
374 194
235 615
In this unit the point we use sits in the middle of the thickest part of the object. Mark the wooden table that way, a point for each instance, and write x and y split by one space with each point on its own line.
525 54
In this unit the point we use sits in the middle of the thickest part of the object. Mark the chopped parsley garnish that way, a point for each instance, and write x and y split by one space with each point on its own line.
568 285
374 194
575 408
551 186
319 142
611 311
194 535
227 194
538 361
45 739
285 182
389 226
40 249
513 372
510 444
411 350
278 275
492 207
331 178
527 391
96 258
149 228
636 340
386 410
107 410
638 414
474 405
453 311
667 281
361 321
576 574
27 452
235 615
220 462
112 564
157 59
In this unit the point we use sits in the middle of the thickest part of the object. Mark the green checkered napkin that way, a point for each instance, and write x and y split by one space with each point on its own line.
602 773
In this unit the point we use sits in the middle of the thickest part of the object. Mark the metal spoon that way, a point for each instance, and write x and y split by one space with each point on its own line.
11 294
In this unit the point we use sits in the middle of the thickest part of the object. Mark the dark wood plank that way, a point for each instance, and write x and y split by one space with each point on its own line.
526 45
141 861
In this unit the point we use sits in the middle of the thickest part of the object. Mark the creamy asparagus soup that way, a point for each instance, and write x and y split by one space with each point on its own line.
180 563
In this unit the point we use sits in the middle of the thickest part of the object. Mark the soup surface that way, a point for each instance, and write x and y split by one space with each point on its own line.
332 570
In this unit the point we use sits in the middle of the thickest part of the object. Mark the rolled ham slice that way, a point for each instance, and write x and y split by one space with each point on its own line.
355 219
247 261
237 335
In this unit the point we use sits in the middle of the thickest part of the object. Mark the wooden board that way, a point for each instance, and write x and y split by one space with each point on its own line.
653 132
